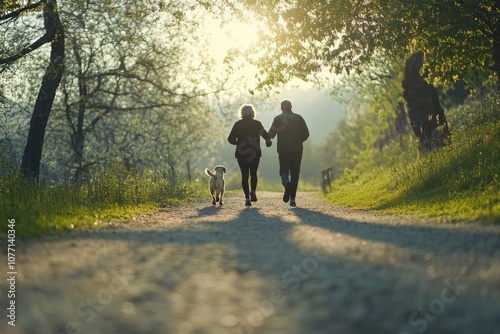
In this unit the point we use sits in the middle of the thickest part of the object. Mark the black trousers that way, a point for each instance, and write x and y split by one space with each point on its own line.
290 169
249 168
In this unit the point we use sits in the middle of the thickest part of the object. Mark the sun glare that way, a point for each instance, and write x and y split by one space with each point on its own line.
243 35
233 35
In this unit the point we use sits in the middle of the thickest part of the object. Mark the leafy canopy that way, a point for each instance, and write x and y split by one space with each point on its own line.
305 37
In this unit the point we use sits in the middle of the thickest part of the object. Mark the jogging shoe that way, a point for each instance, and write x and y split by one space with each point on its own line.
253 197
286 194
292 202
247 202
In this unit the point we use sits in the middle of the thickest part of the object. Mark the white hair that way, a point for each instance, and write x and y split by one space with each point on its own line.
246 110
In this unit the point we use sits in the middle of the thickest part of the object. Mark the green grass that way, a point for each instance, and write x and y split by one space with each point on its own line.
112 195
460 182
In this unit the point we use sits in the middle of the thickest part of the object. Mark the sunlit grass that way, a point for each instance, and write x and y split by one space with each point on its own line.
112 195
457 183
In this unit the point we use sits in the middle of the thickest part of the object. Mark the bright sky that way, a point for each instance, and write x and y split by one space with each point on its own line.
319 110
233 35
239 35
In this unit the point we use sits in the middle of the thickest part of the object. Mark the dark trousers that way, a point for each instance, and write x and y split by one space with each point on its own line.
290 169
248 168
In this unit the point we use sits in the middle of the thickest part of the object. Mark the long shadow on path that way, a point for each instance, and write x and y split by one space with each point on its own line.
259 273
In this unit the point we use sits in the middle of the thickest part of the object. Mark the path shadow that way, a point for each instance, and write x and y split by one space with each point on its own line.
435 239
210 210
317 294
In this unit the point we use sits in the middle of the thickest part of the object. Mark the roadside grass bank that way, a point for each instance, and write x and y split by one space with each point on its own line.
460 182
110 196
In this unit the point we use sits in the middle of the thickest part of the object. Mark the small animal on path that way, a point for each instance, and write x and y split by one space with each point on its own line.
217 183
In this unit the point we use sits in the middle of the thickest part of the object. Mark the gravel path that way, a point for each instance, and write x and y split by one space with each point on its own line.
269 268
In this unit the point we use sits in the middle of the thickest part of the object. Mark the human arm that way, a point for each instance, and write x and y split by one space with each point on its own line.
233 137
304 131
264 134
274 129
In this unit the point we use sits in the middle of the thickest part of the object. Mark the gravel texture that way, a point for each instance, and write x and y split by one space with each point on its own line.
268 268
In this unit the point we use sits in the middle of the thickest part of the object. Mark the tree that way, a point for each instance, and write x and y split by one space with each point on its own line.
100 87
343 146
373 93
427 118
54 34
131 91
116 64
4 136
461 39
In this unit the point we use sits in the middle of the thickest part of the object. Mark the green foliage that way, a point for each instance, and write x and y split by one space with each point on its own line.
305 37
342 146
458 182
372 100
137 87
457 37
113 194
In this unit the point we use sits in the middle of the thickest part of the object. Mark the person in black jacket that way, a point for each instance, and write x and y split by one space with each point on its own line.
292 131
246 134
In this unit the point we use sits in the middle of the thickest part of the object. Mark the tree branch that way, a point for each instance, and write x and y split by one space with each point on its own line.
38 43
47 37
18 12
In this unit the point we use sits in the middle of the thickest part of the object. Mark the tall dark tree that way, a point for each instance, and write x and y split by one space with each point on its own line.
54 34
427 118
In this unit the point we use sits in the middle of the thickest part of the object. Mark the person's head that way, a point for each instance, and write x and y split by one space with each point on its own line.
286 105
246 111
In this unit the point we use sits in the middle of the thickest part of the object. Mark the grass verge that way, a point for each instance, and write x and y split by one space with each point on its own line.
112 195
460 182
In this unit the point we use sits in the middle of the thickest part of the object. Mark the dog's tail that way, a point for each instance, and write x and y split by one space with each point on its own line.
210 173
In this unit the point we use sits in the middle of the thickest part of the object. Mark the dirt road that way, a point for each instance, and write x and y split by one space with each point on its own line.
269 268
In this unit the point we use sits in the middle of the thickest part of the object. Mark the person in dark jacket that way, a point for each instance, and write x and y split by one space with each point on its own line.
292 131
246 134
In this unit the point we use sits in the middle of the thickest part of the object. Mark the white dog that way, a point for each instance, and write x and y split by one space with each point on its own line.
217 183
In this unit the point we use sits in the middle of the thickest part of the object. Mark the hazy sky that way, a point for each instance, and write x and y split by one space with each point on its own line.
320 111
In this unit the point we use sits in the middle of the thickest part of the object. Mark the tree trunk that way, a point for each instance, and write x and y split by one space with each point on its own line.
424 109
30 166
188 167
77 143
78 136
496 45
